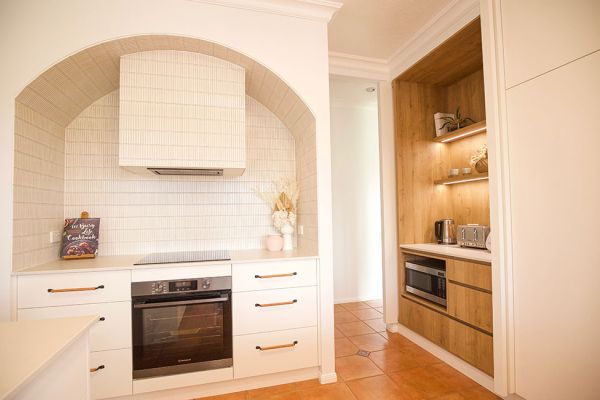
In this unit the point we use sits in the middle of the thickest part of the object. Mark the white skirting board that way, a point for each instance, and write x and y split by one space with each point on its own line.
229 386
462 366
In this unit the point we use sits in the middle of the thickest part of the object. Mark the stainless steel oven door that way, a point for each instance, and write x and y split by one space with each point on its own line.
176 334
425 282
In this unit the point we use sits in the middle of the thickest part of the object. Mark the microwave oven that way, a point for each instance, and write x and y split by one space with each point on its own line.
426 278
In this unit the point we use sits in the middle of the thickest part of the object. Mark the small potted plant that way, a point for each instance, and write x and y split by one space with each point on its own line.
479 160
283 203
456 121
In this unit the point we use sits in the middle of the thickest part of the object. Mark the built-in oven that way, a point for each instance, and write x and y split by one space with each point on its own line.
181 326
426 278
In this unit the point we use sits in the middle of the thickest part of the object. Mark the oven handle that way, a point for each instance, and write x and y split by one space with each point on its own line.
181 303
425 270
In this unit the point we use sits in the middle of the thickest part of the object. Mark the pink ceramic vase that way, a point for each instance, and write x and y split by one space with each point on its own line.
274 242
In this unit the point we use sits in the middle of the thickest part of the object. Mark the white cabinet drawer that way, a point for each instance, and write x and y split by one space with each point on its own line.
114 378
271 310
73 288
300 352
273 275
112 331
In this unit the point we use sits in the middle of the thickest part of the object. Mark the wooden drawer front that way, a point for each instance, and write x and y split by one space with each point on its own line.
478 275
73 288
250 361
471 345
425 322
112 331
271 310
470 305
115 378
273 275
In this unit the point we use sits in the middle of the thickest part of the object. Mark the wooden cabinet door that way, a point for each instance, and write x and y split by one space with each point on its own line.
473 346
469 273
470 305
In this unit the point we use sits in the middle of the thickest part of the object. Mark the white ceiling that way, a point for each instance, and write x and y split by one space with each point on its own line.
377 28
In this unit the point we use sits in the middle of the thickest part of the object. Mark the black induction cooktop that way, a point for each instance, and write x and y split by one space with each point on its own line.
184 257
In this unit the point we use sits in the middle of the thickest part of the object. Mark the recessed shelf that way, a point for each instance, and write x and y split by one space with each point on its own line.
462 179
473 129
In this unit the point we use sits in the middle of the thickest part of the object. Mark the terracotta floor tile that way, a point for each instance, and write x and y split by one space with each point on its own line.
229 396
427 382
397 340
380 309
265 392
475 393
366 313
337 333
344 317
303 385
344 347
338 308
377 324
333 391
370 342
452 377
358 305
355 328
393 360
378 388
375 303
355 367
423 357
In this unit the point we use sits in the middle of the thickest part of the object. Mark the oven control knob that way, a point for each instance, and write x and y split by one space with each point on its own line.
206 284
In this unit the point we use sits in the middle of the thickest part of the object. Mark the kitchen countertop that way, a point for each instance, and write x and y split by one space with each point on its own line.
115 263
454 251
26 347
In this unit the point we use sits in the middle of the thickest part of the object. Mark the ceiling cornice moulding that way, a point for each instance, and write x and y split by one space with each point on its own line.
317 10
446 23
358 67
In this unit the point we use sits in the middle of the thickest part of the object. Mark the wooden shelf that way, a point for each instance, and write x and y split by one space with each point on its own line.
462 179
473 129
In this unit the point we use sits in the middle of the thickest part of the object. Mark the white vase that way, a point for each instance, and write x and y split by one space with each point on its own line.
287 230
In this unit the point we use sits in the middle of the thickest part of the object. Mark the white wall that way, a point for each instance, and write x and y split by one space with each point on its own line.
357 248
548 143
35 35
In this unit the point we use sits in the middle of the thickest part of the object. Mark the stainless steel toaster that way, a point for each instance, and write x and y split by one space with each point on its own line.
472 235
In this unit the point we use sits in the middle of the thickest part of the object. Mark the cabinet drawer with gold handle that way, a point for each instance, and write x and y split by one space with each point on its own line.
110 373
269 310
63 289
273 275
112 331
270 352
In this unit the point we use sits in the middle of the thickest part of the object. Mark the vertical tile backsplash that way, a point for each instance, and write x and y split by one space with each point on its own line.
38 187
146 213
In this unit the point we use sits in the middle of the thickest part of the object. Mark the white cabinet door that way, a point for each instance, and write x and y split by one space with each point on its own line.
271 310
267 353
111 373
540 35
112 331
554 138
73 288
273 275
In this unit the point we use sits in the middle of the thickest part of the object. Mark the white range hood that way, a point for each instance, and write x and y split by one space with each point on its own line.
181 113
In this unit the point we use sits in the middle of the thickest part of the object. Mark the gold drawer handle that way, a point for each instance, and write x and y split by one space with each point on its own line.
79 289
281 346
98 368
283 303
275 275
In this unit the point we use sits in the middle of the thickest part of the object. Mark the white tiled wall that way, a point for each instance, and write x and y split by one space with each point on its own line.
143 213
38 187
181 109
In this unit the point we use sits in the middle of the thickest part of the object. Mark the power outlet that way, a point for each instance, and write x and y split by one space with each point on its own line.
54 236
300 230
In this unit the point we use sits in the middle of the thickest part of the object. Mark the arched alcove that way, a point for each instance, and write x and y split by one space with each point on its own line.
52 103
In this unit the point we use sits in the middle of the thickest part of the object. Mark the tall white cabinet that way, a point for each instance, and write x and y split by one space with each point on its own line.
552 70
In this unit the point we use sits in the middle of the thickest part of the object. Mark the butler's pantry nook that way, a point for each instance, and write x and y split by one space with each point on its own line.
299 199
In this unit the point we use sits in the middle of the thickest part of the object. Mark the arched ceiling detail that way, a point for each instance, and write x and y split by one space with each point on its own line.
66 89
